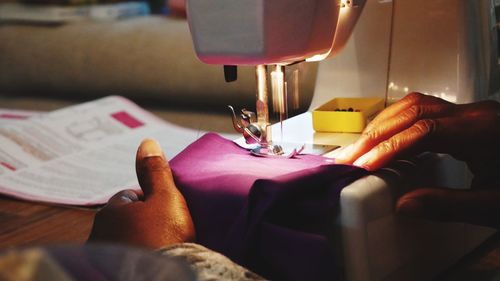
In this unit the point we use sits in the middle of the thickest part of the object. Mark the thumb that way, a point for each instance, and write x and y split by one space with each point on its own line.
153 171
441 204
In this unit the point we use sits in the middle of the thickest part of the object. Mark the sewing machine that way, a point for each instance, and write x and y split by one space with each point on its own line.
269 34
446 48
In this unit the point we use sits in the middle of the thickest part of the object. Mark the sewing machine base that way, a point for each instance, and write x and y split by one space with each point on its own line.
373 243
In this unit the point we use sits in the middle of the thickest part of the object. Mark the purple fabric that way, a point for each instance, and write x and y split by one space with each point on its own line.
272 215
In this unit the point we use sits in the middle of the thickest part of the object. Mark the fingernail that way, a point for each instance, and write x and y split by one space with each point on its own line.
409 207
123 197
361 161
120 200
345 152
149 148
336 152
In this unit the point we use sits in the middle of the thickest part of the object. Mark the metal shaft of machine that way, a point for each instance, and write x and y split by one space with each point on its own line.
279 94
262 106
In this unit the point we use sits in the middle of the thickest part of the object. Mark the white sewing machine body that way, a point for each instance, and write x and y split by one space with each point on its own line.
374 243
253 32
265 33
446 48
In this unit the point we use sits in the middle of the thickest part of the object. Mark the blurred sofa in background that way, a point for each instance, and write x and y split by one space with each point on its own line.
148 59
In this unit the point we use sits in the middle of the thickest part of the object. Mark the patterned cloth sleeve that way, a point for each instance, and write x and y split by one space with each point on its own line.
209 265
179 262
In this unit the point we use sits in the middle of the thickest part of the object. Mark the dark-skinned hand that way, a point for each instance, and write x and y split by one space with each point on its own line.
419 123
156 218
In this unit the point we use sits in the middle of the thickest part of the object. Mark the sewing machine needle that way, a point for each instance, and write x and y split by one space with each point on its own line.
284 114
279 94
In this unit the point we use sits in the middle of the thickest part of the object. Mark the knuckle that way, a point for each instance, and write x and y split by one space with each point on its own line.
414 97
414 112
388 146
371 135
426 126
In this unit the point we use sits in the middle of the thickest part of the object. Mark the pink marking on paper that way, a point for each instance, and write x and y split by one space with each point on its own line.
13 116
127 119
8 166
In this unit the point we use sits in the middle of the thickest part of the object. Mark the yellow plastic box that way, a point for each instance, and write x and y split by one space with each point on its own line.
331 117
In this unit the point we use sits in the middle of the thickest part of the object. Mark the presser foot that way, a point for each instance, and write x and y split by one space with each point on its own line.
256 134
276 151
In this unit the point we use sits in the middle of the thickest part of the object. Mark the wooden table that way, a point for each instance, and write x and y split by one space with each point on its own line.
33 224
28 224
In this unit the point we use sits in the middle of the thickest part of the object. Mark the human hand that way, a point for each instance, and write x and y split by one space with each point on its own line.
479 207
160 219
418 123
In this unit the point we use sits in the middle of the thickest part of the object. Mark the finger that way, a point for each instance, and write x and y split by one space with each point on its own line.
122 198
153 171
425 135
476 207
412 99
385 130
337 153
410 139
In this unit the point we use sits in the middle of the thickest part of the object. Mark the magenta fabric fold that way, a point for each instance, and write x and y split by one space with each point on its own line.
273 215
